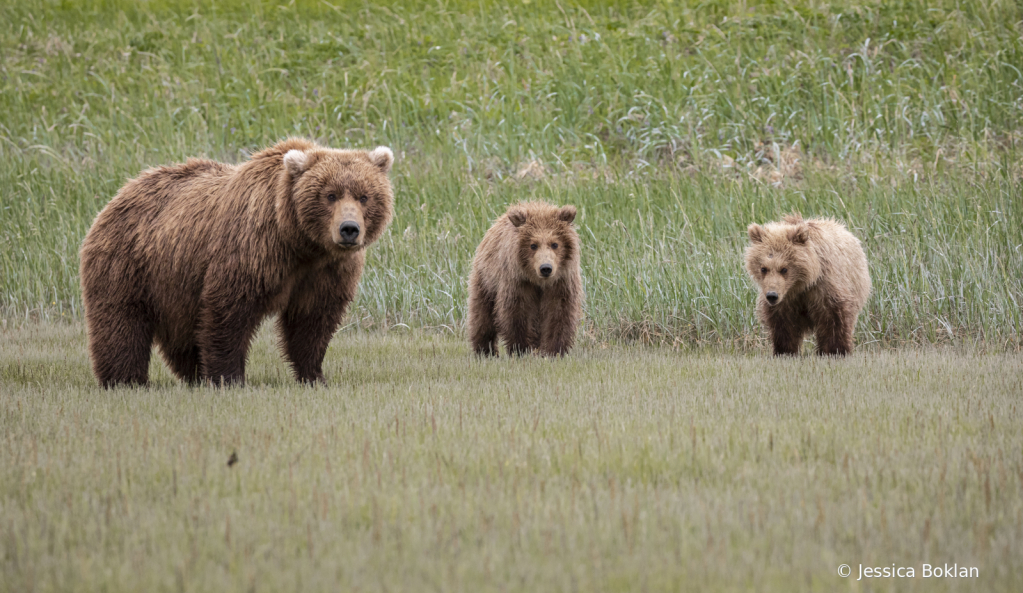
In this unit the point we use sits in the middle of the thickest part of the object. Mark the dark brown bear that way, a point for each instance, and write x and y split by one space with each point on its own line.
193 257
525 286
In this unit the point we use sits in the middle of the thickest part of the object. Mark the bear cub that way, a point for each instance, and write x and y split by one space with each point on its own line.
812 276
193 257
525 286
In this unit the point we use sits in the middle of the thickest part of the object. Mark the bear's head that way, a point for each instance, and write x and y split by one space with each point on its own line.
781 259
342 198
547 243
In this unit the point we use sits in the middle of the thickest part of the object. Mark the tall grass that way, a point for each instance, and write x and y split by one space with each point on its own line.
671 125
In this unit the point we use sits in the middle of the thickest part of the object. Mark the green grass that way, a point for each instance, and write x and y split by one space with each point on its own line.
670 125
702 464
618 468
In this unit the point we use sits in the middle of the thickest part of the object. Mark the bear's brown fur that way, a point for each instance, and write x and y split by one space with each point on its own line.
193 257
511 298
812 276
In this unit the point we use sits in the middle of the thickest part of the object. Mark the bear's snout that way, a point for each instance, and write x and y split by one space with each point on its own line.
772 297
349 232
546 270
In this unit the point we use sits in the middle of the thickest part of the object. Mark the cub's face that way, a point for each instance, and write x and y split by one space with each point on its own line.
546 241
343 198
774 259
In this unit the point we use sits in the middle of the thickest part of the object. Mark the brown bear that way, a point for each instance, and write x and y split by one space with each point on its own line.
525 286
193 257
812 276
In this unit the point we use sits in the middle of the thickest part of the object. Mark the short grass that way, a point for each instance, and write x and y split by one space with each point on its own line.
671 125
623 468
701 464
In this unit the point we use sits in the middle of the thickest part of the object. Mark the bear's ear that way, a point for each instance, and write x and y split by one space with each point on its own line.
756 233
296 162
799 234
517 216
566 214
382 157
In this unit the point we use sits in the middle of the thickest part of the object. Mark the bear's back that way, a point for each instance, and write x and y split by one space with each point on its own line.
495 261
163 215
842 260
143 199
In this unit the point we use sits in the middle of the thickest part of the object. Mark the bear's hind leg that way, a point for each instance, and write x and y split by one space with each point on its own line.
833 331
183 361
120 344
225 332
482 326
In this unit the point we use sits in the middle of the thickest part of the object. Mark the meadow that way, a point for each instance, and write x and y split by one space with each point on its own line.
671 126
668 452
619 468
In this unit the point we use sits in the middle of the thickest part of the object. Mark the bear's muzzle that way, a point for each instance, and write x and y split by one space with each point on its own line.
349 233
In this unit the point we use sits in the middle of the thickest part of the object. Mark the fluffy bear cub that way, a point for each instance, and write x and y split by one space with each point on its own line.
812 276
525 286
193 257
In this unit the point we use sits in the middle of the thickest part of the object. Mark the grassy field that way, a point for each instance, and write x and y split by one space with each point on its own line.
618 468
668 452
670 125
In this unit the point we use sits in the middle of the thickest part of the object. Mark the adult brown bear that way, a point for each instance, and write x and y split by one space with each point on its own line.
193 257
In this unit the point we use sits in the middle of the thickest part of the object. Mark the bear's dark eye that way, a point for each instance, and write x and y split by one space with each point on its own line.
533 246
364 199
332 197
554 245
784 271
763 270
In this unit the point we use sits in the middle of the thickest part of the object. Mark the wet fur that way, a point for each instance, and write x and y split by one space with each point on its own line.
825 289
193 257
509 300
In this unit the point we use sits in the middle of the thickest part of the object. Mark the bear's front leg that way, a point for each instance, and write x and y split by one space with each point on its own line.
560 319
305 336
785 326
517 312
318 304
786 341
226 327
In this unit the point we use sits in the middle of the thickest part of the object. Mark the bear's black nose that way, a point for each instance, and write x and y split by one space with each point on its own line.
772 297
349 231
546 269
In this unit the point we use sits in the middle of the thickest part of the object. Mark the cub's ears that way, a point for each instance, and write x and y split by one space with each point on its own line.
756 233
297 162
799 234
517 216
382 157
567 213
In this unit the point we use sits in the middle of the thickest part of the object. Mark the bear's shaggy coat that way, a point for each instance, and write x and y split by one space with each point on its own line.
812 276
525 286
193 257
